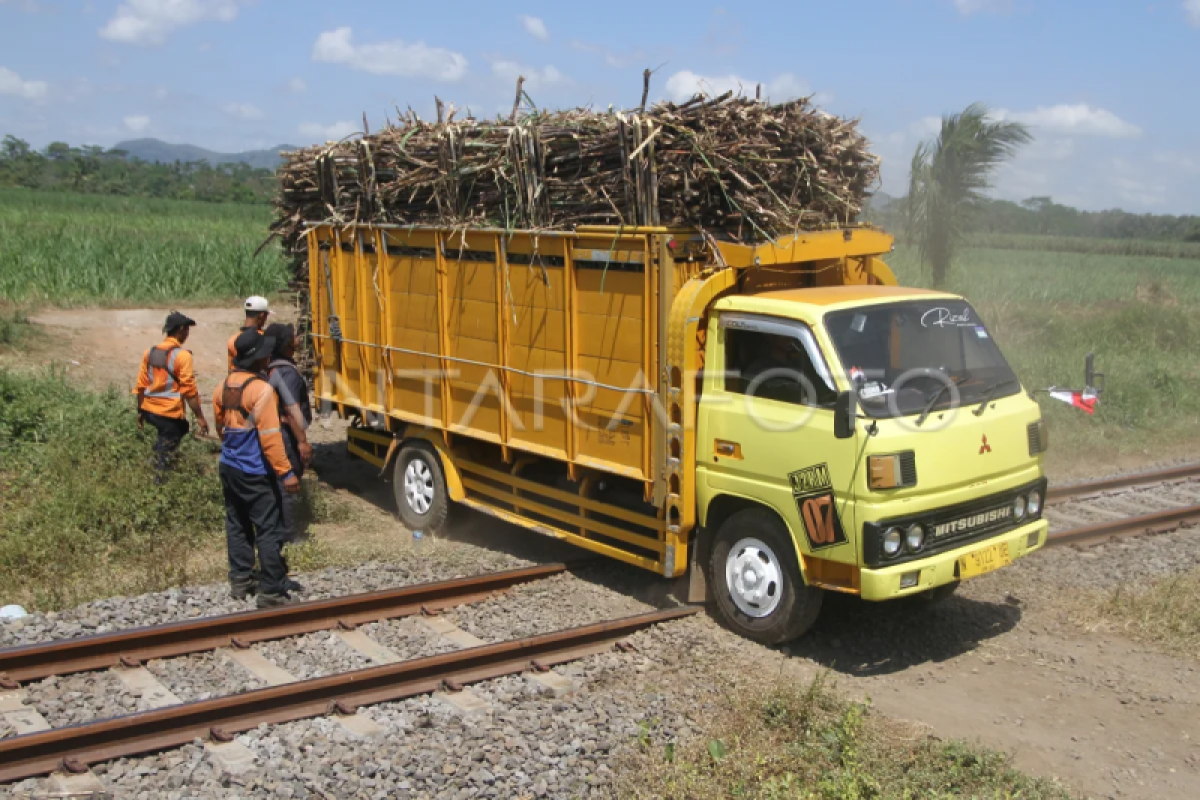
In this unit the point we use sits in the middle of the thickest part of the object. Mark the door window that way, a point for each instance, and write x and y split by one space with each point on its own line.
775 360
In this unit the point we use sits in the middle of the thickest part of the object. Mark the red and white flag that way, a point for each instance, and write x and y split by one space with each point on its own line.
1085 401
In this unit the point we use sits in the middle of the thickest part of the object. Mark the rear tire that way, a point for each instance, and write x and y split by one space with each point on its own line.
419 485
755 578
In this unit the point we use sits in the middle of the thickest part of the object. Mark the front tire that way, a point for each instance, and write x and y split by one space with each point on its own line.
755 577
419 485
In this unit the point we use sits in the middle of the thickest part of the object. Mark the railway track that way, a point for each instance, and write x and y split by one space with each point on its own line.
1128 505
68 751
1080 514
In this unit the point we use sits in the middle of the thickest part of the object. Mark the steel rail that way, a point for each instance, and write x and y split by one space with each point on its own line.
36 661
41 753
1059 493
1159 521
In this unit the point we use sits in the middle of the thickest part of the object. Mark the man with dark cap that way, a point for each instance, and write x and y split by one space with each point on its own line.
165 382
254 472
295 411
258 310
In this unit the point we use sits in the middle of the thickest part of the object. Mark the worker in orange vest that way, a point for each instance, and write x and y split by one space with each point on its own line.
254 471
165 382
257 312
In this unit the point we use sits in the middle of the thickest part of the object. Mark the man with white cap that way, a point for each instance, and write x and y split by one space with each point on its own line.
257 312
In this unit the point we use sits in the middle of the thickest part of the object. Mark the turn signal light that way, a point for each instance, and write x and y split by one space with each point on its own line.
892 471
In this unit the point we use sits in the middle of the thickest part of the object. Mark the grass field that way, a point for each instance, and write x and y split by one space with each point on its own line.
773 742
1139 314
68 250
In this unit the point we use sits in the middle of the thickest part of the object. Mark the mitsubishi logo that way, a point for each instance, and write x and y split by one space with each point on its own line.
985 447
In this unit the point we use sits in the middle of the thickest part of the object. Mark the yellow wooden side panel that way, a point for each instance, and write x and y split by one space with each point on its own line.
320 248
411 272
611 351
373 382
537 345
473 335
345 288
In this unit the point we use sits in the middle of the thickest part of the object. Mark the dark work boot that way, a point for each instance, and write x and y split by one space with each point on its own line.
240 590
274 600
292 585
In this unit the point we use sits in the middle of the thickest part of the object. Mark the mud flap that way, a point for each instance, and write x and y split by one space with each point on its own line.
697 577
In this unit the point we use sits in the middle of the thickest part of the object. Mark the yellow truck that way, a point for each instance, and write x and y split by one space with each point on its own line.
780 419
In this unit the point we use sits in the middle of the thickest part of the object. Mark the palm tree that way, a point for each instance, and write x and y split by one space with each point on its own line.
949 174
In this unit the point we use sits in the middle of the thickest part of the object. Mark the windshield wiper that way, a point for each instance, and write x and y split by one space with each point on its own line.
987 395
932 402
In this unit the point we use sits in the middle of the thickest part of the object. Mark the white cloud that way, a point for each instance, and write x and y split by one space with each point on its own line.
150 22
137 124
535 27
243 111
1191 8
338 130
297 86
389 58
534 78
969 7
1080 119
684 84
11 83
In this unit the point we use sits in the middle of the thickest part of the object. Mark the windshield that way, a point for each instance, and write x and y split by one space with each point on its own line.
900 357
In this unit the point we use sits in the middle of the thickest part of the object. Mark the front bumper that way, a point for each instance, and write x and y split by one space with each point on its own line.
940 569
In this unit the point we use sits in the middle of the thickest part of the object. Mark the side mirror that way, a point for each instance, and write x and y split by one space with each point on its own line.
845 412
1090 375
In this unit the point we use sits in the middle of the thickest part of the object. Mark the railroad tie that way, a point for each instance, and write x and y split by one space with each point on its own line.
460 700
143 683
272 674
25 719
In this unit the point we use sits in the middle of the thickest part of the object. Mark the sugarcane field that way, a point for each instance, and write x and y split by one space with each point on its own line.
528 401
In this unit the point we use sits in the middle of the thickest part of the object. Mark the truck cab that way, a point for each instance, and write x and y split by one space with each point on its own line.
933 476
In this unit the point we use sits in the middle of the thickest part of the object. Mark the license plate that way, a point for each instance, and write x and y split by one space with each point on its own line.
985 560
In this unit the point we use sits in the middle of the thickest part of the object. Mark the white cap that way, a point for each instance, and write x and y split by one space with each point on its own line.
257 303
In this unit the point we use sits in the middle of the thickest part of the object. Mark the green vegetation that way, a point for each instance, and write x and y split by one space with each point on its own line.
948 178
1093 246
1165 612
14 327
69 249
792 742
80 516
1140 315
1041 216
94 170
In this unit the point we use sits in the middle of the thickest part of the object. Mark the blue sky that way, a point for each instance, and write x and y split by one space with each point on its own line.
1108 86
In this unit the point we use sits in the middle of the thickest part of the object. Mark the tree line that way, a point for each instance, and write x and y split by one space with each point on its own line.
95 170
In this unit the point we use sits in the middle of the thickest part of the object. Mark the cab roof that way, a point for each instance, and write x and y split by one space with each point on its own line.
830 298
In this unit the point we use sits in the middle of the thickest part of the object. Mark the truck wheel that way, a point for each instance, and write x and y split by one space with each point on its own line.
420 488
756 581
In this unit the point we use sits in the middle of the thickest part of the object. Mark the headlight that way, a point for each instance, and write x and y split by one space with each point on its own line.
1019 508
1033 504
914 538
892 539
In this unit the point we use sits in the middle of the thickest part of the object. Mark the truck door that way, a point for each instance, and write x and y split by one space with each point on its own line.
765 430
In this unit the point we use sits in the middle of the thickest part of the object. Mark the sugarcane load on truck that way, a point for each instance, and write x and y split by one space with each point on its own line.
661 336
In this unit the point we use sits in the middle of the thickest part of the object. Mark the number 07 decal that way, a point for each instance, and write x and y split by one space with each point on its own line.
813 493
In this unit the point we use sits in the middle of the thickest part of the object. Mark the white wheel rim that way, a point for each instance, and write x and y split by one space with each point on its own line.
418 486
754 578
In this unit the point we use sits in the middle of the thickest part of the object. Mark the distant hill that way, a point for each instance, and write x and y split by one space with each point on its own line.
155 150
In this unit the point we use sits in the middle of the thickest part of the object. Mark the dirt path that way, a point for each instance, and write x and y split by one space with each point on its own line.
103 347
1001 662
